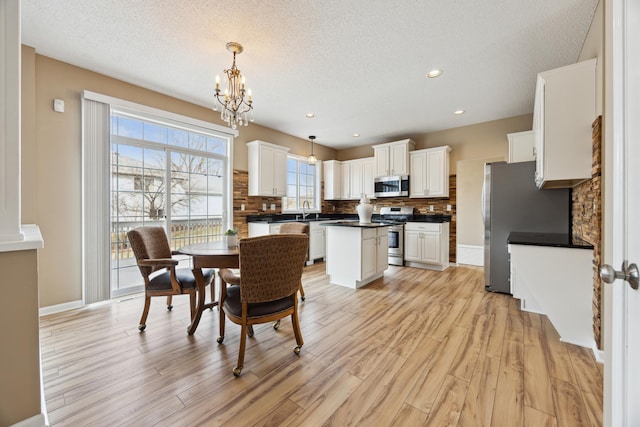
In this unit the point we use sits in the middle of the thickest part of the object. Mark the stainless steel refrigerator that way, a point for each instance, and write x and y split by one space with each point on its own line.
512 202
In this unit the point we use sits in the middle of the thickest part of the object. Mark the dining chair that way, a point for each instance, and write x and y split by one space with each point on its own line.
161 277
295 228
267 287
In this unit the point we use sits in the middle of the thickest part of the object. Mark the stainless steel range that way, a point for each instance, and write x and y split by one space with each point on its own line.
396 216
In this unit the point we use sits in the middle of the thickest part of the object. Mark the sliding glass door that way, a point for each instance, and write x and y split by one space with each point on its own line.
166 176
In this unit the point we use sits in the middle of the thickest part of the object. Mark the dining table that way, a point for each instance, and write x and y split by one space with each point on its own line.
208 255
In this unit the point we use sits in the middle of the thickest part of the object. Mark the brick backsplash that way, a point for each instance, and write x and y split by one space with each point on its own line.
586 212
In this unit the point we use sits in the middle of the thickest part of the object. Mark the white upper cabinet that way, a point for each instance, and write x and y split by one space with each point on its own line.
429 174
359 176
267 169
521 146
392 158
564 110
332 180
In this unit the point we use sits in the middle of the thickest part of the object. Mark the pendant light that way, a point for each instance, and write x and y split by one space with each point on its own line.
312 159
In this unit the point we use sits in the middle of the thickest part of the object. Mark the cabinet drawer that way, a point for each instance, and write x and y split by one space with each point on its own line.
423 226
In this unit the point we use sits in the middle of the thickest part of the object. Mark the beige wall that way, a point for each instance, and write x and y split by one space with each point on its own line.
20 361
52 155
593 48
470 177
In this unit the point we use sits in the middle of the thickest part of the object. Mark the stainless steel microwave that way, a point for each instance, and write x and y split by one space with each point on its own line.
391 186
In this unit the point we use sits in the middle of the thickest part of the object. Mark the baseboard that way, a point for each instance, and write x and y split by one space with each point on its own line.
59 308
470 255
36 421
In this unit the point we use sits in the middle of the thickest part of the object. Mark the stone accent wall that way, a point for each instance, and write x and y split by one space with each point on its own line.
586 224
253 206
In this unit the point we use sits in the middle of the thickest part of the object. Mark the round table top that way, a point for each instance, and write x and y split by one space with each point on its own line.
209 248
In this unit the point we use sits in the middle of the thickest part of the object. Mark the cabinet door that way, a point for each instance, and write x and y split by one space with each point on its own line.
265 170
316 244
332 180
368 166
435 171
398 159
356 178
417 175
412 246
430 245
521 147
369 257
346 181
279 173
382 258
381 157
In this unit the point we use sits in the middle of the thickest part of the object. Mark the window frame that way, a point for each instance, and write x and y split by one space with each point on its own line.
317 202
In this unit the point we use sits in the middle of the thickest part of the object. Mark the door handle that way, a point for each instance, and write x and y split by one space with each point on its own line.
628 273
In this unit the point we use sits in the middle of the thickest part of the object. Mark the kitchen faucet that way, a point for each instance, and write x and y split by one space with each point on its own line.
304 212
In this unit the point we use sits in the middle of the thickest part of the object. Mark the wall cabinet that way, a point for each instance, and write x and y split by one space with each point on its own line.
332 180
521 146
392 158
426 245
357 178
267 169
429 174
564 109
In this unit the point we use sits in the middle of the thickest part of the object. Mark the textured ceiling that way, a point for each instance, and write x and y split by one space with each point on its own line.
359 65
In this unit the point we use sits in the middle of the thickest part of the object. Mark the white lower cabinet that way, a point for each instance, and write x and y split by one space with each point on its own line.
317 244
356 255
556 282
426 245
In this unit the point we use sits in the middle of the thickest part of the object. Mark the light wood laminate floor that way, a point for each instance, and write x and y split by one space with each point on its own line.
417 347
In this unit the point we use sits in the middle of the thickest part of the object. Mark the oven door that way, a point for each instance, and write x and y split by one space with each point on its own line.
396 244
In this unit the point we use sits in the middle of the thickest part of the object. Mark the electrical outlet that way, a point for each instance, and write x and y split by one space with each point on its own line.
242 207
273 206
448 207
430 208
264 206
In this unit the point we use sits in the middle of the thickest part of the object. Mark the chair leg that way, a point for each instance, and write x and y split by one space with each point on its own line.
243 342
222 320
301 291
296 332
145 312
169 299
192 302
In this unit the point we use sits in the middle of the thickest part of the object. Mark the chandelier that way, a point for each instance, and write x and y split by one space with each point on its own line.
312 159
236 111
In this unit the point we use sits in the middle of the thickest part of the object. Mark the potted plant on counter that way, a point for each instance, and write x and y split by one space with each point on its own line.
232 237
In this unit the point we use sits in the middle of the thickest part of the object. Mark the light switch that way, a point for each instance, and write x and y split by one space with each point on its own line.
58 105
430 208
448 207
273 206
242 207
264 206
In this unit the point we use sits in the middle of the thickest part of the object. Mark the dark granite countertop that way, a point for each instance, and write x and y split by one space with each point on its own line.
547 239
356 224
277 218
439 218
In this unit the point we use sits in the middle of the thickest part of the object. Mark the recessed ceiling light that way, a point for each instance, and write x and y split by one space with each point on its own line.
309 115
434 73
458 112
355 135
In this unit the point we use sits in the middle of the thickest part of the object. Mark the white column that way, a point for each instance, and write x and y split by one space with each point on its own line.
10 121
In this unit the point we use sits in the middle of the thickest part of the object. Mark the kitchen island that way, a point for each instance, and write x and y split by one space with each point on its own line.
357 253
